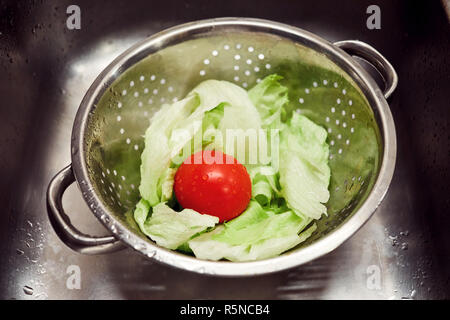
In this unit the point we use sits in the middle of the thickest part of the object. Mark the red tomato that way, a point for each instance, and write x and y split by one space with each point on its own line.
214 183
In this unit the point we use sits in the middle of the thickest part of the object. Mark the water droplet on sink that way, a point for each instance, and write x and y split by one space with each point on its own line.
393 240
19 252
42 270
28 290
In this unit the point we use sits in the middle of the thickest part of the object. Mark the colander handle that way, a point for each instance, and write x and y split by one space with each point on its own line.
72 237
371 55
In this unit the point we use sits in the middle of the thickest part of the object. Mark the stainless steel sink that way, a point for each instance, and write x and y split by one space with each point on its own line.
403 252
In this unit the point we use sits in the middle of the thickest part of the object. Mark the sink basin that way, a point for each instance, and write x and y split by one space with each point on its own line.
403 252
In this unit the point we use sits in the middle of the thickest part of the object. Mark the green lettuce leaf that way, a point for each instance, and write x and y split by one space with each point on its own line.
255 224
269 97
165 184
255 234
168 228
157 153
304 171
205 247
238 123
252 215
275 246
214 92
265 184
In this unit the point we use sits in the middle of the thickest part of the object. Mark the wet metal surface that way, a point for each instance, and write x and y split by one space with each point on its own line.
401 253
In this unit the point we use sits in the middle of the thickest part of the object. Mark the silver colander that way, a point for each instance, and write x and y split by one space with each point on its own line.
325 83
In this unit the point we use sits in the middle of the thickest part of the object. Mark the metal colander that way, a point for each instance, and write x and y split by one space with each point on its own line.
324 83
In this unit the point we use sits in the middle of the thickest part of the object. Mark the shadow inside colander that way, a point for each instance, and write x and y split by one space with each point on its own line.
318 88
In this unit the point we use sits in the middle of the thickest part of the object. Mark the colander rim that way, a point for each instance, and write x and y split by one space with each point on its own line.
300 256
